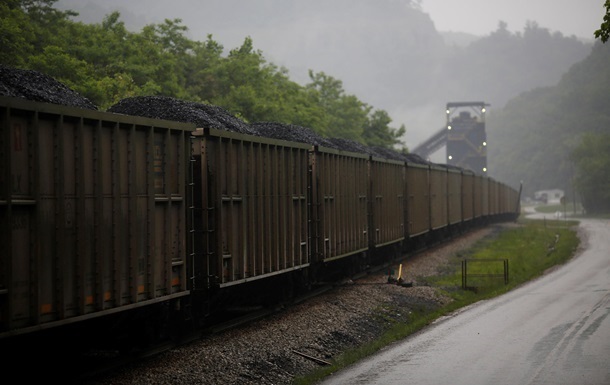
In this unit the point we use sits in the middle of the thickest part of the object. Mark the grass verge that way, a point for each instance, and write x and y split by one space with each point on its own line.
531 248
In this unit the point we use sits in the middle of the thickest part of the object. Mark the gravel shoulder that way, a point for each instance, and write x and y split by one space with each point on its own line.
267 351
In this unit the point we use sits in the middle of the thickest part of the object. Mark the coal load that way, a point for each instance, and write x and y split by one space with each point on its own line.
388 153
290 132
168 108
376 151
449 166
353 146
33 85
414 158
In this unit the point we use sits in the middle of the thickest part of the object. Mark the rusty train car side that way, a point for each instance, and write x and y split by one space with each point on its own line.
253 202
339 215
93 216
418 199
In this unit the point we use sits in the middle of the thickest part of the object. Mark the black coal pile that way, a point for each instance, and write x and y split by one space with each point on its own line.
353 146
33 85
291 133
414 158
168 108
377 151
449 166
388 153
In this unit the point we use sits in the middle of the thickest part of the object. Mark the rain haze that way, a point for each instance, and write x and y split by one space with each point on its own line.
394 55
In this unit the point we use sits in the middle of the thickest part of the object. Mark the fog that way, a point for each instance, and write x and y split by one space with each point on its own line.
479 17
391 54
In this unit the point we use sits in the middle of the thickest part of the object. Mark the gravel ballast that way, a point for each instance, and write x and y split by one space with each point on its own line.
269 351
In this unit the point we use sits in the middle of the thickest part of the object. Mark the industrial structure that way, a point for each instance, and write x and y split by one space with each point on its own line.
463 136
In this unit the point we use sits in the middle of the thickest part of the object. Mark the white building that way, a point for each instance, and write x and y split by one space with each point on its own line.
549 196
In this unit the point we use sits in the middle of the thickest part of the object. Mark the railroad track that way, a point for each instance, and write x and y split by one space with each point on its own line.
98 363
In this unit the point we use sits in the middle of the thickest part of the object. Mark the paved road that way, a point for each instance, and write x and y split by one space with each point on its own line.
554 330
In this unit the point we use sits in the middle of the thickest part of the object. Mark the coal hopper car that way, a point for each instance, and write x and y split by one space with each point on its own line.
93 214
118 222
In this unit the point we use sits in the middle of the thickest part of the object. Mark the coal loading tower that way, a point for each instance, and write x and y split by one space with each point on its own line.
466 136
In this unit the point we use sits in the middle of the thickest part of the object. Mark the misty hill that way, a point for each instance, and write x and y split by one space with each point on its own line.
459 39
531 139
386 52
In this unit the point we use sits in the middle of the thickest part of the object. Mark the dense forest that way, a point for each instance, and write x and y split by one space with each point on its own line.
548 137
106 63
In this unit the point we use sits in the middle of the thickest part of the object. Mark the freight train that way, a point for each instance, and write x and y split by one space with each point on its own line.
115 222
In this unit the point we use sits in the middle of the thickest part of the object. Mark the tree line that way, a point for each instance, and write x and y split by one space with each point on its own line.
105 62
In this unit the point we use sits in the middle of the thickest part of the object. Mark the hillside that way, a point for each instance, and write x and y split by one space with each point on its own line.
531 139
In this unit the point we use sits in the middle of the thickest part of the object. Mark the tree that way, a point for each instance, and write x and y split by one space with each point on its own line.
592 160
16 34
603 33
27 27
201 71
347 115
378 131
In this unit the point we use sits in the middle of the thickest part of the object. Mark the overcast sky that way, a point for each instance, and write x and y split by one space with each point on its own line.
480 17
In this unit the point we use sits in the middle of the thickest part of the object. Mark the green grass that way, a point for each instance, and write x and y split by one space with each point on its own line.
569 208
531 248
551 208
